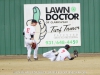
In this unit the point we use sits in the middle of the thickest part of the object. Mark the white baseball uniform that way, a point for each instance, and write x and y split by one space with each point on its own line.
63 54
50 55
30 30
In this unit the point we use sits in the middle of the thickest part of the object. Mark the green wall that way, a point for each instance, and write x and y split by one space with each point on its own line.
12 24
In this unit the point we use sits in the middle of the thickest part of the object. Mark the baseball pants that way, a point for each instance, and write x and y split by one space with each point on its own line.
29 49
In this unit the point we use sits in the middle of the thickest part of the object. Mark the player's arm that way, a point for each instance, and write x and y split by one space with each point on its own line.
32 33
70 58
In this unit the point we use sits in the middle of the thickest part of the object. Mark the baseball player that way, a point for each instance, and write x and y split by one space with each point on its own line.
29 32
59 55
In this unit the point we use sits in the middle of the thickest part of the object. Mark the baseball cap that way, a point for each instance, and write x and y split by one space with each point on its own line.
67 46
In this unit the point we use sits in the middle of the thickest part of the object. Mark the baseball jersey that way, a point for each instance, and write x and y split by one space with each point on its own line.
63 54
29 30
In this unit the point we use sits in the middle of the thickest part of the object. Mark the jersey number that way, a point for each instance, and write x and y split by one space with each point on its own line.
28 29
63 51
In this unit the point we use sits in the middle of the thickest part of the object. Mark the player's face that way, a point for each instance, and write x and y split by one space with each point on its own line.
34 24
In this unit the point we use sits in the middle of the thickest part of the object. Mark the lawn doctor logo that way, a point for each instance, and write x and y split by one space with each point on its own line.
41 24
61 13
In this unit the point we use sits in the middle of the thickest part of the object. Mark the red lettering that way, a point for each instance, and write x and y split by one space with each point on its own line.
63 51
28 29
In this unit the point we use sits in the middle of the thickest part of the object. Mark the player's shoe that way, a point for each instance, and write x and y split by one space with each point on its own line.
56 53
54 50
35 58
28 59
